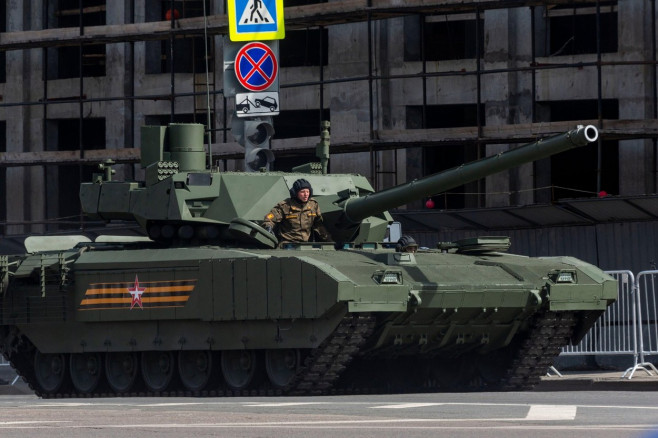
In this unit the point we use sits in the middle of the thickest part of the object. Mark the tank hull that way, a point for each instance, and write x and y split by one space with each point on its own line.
295 310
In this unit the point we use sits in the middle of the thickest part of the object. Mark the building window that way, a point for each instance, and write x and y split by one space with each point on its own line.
443 157
65 62
64 135
443 39
189 52
574 172
299 123
443 116
290 3
572 31
304 47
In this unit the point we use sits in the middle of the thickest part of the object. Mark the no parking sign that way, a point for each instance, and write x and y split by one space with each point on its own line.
256 66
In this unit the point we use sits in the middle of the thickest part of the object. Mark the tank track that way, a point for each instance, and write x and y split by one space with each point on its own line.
322 368
549 333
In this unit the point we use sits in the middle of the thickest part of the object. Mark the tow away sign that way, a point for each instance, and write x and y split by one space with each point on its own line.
252 20
250 104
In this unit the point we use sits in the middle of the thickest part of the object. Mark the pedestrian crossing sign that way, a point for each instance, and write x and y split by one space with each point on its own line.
253 20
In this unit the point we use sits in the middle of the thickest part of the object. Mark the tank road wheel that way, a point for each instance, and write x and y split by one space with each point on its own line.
86 371
50 371
281 366
197 369
157 369
121 371
240 368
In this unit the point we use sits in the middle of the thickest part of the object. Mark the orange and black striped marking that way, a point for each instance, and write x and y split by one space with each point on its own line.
137 294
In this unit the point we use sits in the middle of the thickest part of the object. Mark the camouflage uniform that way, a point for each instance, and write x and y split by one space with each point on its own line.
297 220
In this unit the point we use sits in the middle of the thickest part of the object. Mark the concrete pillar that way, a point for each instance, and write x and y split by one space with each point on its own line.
26 201
635 88
349 101
118 82
507 97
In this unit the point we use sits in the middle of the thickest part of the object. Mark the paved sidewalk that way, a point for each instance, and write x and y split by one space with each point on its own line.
599 381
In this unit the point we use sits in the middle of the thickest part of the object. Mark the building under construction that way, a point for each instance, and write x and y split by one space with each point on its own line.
410 88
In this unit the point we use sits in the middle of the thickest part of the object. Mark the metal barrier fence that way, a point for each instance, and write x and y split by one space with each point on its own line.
627 327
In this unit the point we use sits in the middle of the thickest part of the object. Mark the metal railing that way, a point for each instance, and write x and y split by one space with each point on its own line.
627 327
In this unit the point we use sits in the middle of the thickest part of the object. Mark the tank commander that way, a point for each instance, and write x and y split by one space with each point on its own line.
406 244
297 217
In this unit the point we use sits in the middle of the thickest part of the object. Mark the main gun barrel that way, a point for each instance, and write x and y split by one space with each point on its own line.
359 208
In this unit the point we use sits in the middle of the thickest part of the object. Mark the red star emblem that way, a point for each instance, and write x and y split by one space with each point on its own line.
136 293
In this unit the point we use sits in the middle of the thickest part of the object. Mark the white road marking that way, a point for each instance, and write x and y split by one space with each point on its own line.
14 423
279 405
164 405
406 405
551 412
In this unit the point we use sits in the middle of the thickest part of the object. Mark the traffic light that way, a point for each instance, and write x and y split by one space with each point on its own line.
254 134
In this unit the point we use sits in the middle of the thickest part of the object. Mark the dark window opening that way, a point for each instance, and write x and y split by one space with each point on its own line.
299 123
164 120
443 116
302 48
286 164
189 56
68 13
442 157
290 3
64 135
66 62
576 34
574 172
188 52
443 40
3 179
159 10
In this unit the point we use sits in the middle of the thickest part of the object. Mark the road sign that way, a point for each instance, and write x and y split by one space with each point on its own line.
251 20
256 66
231 49
251 104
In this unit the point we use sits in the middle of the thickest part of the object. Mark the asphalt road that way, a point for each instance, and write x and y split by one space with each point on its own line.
514 414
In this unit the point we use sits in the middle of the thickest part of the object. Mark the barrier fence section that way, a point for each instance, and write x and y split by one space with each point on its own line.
646 316
628 325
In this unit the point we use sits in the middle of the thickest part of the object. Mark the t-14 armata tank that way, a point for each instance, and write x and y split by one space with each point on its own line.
212 304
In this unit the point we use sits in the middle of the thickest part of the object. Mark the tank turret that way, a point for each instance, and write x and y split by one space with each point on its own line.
182 202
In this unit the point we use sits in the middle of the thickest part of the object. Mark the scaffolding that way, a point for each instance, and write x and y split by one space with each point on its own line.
381 141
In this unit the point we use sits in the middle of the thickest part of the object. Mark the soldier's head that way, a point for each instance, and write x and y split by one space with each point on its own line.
302 190
406 244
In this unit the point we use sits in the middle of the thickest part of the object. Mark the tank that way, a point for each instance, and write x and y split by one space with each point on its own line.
212 304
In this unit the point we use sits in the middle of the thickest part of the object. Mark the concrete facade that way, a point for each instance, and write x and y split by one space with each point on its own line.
505 90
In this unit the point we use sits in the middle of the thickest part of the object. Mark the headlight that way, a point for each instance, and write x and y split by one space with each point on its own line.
387 277
564 277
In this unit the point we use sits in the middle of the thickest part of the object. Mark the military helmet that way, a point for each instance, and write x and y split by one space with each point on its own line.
298 185
406 244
